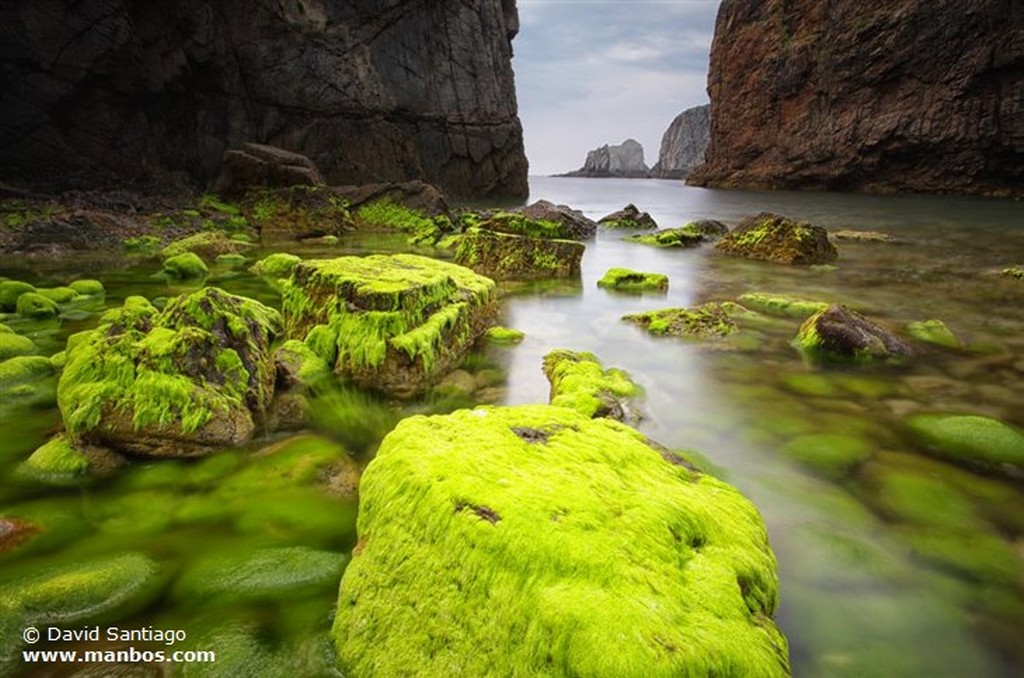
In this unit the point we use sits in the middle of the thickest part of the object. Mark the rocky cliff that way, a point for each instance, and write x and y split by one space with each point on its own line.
876 95
684 143
625 160
111 91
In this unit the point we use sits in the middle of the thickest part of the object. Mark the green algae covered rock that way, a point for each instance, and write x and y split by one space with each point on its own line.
769 237
580 382
837 333
185 266
10 290
102 588
780 305
12 345
206 245
173 382
393 323
88 287
970 440
56 461
503 336
505 256
277 573
22 370
832 455
59 295
533 540
629 217
626 280
275 266
298 212
669 237
36 305
934 332
706 321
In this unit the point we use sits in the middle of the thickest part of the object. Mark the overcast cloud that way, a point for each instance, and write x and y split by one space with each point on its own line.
595 72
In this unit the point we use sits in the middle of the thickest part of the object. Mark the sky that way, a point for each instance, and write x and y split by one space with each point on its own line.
596 72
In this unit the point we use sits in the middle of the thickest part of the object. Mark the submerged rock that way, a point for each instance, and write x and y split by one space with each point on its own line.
88 287
863 236
775 304
625 280
503 336
12 345
934 332
769 237
10 290
36 305
176 382
580 382
629 217
972 440
705 321
185 266
393 323
484 527
838 332
503 256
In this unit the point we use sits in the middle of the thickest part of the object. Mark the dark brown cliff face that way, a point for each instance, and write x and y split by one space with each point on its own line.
874 95
104 91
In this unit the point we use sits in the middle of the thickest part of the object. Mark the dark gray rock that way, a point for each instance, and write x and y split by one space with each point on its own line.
115 92
260 165
684 143
575 225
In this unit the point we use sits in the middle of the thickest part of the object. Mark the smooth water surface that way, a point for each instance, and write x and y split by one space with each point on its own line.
902 566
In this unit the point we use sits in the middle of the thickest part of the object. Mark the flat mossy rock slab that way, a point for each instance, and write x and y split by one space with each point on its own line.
504 256
174 382
392 323
971 440
770 237
535 541
839 333
629 218
103 588
707 321
669 237
580 382
780 305
626 280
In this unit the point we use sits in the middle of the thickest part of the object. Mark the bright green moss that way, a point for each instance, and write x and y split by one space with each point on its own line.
517 224
934 332
532 541
23 370
276 266
779 305
580 382
970 439
12 345
503 336
830 454
626 280
10 290
205 243
185 266
57 458
87 287
142 243
35 305
387 215
706 321
59 295
1015 272
210 201
669 237
232 260
308 367
96 589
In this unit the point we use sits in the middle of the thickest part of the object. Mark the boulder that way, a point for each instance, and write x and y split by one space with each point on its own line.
580 382
971 440
12 345
503 256
709 320
88 287
669 237
178 382
187 266
838 332
629 217
577 226
519 224
503 336
414 195
934 332
259 165
710 228
205 244
626 280
533 540
10 290
297 213
769 237
393 323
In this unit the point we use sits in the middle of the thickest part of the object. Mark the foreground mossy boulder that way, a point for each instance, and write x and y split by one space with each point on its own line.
626 280
504 256
971 440
770 237
391 323
839 333
533 540
177 382
580 382
298 212
702 322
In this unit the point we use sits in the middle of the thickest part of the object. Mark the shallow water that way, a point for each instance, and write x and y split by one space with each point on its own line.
873 583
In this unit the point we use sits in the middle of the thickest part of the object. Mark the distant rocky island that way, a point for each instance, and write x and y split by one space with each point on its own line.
682 150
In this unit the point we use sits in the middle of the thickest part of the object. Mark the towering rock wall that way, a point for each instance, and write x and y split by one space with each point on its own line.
684 143
104 91
877 95
625 160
